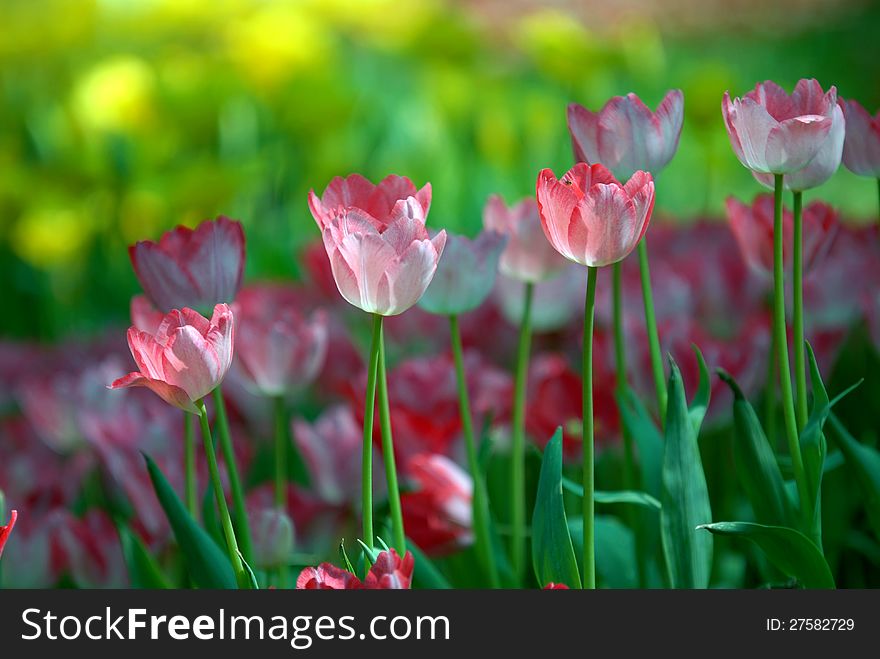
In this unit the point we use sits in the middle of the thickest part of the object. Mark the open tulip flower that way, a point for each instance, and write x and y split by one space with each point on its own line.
753 228
861 147
186 359
6 530
195 268
774 133
465 275
389 572
590 217
625 135
527 256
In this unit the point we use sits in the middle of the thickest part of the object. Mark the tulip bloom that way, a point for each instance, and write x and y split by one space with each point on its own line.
273 538
185 360
527 256
861 148
278 348
465 275
389 572
752 227
774 133
6 530
197 268
555 586
438 513
625 135
589 217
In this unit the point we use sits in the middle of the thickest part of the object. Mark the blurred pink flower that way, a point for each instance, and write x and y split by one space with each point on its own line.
278 348
273 535
197 268
382 263
753 228
589 217
625 135
861 147
527 256
6 530
774 133
437 513
144 316
555 586
330 447
186 359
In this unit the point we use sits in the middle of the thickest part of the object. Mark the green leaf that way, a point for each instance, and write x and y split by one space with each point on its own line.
552 551
207 565
425 573
756 463
788 549
143 571
865 464
649 441
343 556
252 578
618 496
700 404
685 497
616 564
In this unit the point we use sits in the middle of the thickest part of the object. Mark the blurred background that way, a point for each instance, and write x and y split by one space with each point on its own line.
122 118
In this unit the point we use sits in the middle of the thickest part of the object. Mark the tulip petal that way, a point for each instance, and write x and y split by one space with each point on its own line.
169 393
795 142
192 363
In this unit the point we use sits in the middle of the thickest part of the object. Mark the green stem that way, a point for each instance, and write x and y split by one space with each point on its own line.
399 535
191 490
367 450
518 439
241 519
281 440
800 364
878 191
781 341
653 335
589 475
225 520
480 496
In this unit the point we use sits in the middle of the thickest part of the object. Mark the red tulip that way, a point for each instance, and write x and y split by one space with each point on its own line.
437 514
186 359
197 268
774 133
6 530
555 586
861 147
589 217
527 256
389 572
753 228
278 348
327 577
381 255
625 135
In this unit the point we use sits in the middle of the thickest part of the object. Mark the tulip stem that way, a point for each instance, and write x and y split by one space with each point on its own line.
518 453
367 454
480 495
781 340
653 335
399 535
800 365
281 441
225 520
238 507
191 489
587 435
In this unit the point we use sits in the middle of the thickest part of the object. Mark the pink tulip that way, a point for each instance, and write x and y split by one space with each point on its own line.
186 359
331 447
195 268
278 348
753 228
589 217
625 135
555 586
377 201
861 148
774 133
327 577
527 256
6 530
381 264
389 572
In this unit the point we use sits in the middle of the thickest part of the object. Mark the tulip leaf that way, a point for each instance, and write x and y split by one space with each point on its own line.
788 549
864 461
143 571
206 564
647 436
618 496
700 404
343 556
756 463
685 497
553 555
253 584
616 564
425 573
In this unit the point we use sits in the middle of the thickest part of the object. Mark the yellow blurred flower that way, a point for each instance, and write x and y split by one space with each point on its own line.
50 236
116 95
